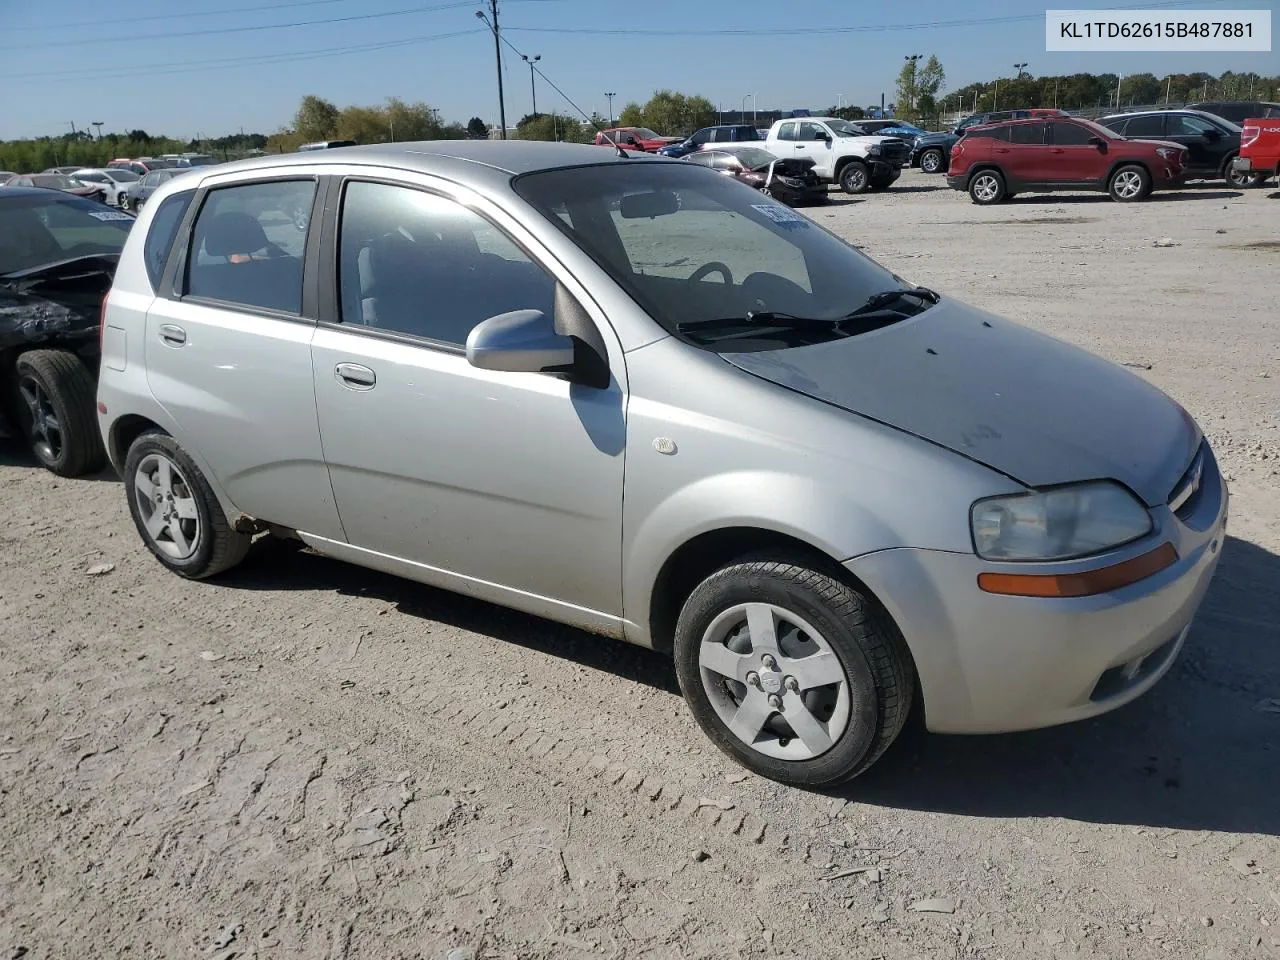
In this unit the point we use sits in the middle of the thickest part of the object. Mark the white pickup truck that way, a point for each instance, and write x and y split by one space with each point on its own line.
841 152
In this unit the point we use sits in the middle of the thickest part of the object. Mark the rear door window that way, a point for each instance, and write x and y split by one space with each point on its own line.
248 243
164 228
1151 125
787 131
1027 134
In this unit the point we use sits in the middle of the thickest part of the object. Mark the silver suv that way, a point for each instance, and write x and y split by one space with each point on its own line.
635 396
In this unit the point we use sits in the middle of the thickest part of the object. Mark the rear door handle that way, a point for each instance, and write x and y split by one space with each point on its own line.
173 335
1059 150
355 375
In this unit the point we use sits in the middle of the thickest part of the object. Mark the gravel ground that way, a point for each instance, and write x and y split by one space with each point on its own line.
305 759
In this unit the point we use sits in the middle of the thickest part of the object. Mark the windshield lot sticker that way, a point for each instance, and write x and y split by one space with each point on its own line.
109 215
780 214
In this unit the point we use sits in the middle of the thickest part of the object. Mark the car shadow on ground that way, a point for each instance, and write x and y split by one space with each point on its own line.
14 453
917 188
1200 751
275 564
1171 196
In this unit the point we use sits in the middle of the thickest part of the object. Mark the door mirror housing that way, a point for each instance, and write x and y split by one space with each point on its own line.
522 341
823 136
1212 134
1098 141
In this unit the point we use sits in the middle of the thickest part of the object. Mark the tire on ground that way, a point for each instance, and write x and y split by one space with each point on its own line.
855 177
220 546
987 187
874 657
1123 175
71 392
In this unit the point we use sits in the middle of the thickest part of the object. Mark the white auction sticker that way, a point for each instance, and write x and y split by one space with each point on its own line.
1167 30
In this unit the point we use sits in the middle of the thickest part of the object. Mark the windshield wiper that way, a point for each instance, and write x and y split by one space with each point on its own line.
763 318
882 299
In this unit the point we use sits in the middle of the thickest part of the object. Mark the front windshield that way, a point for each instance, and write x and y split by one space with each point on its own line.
843 128
690 246
39 230
52 181
1097 129
644 133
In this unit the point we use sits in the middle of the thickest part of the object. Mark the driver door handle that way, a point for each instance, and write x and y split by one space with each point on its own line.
1059 150
356 376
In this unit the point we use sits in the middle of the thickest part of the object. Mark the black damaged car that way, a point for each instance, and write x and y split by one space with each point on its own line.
790 180
58 254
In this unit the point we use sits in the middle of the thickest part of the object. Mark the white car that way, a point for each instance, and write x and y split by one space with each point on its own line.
118 185
841 152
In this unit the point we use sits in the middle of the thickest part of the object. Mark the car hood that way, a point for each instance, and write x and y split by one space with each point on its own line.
936 138
1032 407
1152 142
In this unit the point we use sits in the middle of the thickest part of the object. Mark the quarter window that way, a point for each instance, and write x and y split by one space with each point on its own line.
164 228
424 265
248 243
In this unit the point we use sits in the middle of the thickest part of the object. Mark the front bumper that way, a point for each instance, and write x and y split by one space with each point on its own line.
990 664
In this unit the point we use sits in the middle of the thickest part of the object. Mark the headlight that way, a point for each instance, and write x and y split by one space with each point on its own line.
1059 524
790 182
1169 153
873 150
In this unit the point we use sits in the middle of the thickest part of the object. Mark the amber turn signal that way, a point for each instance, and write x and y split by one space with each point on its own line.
1087 583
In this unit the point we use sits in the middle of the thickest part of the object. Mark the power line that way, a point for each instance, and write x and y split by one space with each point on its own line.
115 21
807 31
218 63
269 26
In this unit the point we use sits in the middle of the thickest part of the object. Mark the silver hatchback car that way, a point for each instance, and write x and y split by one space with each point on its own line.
629 394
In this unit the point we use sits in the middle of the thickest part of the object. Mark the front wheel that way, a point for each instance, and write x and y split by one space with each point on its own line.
56 411
792 672
1129 184
986 187
176 512
931 161
855 177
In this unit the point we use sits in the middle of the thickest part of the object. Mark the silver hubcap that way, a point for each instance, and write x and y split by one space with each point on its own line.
985 187
46 429
167 507
855 179
774 681
931 162
1128 183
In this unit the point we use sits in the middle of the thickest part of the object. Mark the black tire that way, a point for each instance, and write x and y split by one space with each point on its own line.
56 410
986 187
855 177
1117 185
1240 181
874 658
932 161
218 546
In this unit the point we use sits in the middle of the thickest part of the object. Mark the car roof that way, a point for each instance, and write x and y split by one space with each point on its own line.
8 193
1147 113
464 161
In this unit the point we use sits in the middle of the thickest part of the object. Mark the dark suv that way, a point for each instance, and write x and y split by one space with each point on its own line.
998 116
1211 142
728 133
994 162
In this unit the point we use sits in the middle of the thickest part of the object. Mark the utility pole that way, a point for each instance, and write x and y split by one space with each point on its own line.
1168 86
911 89
1119 77
497 52
611 96
995 98
533 90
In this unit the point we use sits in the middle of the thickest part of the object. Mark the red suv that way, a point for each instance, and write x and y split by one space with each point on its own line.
634 138
996 161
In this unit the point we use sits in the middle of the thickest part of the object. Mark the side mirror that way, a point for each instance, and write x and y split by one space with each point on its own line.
1098 141
822 135
1212 134
523 341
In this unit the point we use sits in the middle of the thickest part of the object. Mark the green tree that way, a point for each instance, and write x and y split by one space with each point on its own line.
632 115
477 129
1140 88
316 119
552 126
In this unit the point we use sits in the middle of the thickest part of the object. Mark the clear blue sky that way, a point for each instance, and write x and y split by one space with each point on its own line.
61 62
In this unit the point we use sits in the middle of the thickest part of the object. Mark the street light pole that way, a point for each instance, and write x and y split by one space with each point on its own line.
497 50
611 96
1019 67
911 89
533 90
98 124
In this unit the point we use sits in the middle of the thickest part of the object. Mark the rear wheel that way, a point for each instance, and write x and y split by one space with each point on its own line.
791 671
176 512
855 177
56 410
986 187
1129 184
931 161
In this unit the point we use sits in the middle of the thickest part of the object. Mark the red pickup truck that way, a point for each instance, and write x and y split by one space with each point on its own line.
1259 149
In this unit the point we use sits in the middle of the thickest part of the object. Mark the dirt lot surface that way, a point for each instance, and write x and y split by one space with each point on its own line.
303 759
